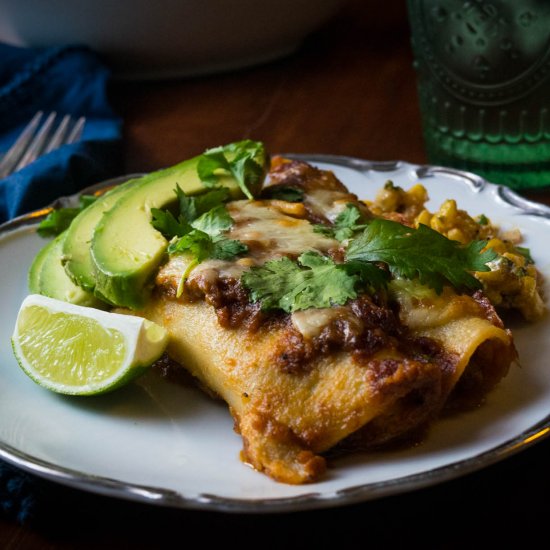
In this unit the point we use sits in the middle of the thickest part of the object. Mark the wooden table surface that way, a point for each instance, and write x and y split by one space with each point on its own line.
349 90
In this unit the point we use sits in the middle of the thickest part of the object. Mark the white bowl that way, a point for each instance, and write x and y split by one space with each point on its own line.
166 38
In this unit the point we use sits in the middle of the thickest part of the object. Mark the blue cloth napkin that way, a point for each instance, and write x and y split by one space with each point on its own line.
69 80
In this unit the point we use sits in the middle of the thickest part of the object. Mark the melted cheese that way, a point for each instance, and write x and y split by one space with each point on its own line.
428 310
269 234
311 322
327 203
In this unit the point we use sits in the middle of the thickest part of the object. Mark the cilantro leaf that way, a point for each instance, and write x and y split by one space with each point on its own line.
187 204
284 193
165 222
205 212
325 284
314 281
371 277
86 200
214 221
482 219
212 198
271 282
526 253
421 253
348 217
202 236
323 230
243 160
58 220
201 246
197 243
211 164
345 224
193 206
246 171
227 249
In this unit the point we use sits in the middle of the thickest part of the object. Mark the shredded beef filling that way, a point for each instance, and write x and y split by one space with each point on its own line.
377 328
229 299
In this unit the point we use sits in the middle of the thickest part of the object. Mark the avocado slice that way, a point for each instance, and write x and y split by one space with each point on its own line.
76 256
48 277
36 268
127 250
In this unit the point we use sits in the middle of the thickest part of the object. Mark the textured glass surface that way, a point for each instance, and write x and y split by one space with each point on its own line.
483 70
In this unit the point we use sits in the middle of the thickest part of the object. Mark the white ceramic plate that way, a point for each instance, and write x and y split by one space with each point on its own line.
173 446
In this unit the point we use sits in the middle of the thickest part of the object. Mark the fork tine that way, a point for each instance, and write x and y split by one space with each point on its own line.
59 134
77 130
40 138
35 147
13 155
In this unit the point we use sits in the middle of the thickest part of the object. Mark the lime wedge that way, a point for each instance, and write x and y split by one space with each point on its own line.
79 350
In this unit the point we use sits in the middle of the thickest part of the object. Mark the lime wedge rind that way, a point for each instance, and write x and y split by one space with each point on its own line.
77 350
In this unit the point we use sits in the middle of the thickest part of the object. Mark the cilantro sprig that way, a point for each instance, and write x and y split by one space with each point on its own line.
526 253
244 160
345 225
197 228
203 246
421 253
202 237
384 247
191 208
284 193
59 219
313 281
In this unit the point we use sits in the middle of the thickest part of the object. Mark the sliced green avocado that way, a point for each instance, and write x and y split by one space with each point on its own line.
126 249
36 268
49 278
76 247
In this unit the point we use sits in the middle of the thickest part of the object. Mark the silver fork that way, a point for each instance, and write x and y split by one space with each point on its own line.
42 135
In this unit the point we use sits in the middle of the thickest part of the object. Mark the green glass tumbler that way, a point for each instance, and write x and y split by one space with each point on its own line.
483 70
